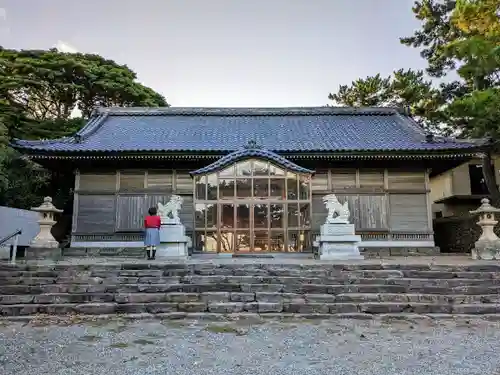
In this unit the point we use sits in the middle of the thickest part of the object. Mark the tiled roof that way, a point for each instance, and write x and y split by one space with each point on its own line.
251 151
322 129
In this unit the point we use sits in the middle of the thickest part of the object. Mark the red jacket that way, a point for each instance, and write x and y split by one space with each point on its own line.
152 222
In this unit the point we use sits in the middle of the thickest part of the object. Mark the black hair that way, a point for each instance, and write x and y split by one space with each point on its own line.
152 211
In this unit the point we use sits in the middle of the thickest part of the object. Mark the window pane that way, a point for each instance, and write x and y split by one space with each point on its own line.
212 187
226 188
243 216
260 216
305 215
260 168
243 241
277 214
211 212
208 241
200 188
227 216
226 242
276 171
292 186
277 188
228 172
261 188
244 168
261 240
198 243
199 216
277 241
293 215
304 192
243 187
298 241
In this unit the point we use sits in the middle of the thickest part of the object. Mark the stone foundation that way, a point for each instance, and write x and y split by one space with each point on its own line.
41 253
134 252
383 252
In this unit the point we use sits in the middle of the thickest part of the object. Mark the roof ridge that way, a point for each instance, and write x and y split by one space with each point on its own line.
91 127
246 111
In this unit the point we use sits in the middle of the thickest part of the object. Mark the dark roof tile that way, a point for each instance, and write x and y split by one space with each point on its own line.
327 129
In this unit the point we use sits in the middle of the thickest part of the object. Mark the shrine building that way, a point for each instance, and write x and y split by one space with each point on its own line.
252 179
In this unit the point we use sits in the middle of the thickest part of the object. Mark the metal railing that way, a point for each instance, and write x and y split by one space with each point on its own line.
14 235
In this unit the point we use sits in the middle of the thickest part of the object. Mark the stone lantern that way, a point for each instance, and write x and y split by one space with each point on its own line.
487 247
44 245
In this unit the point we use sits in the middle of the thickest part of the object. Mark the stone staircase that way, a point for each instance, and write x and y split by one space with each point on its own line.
215 289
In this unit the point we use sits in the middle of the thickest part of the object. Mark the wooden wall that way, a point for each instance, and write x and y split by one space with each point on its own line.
117 201
383 200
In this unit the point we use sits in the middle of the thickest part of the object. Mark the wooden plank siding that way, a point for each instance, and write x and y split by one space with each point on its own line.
96 214
383 200
130 211
408 212
118 202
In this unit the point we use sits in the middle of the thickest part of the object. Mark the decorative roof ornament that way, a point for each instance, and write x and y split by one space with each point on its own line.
252 145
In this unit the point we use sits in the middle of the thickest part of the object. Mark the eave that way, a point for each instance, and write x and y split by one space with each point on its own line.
204 155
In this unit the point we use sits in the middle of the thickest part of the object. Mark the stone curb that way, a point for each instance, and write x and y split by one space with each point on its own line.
252 316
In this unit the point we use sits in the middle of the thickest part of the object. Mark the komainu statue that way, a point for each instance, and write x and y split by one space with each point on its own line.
169 212
337 212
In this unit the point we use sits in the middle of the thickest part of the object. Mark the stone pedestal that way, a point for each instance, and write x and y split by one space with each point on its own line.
173 241
338 241
487 247
39 253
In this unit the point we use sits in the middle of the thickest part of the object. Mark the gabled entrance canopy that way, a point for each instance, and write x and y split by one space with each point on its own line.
252 200
251 150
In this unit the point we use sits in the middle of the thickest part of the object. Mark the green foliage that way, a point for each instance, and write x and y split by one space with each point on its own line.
404 88
456 36
478 17
39 93
478 54
436 33
462 37
50 84
22 182
367 92
478 113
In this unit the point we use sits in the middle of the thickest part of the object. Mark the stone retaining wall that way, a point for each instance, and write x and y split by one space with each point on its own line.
334 289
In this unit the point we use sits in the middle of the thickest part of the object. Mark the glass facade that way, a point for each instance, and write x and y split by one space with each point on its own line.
252 206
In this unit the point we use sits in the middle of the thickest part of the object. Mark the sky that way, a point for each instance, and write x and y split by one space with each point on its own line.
226 53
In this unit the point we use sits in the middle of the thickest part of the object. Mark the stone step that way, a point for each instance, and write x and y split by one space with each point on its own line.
183 272
284 269
420 288
209 297
150 278
296 307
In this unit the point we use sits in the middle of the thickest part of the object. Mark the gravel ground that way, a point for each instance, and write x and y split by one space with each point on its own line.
246 347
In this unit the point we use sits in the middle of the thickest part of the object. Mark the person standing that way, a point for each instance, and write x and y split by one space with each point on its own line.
152 224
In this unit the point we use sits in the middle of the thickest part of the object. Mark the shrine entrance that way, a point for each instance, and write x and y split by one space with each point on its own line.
253 205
